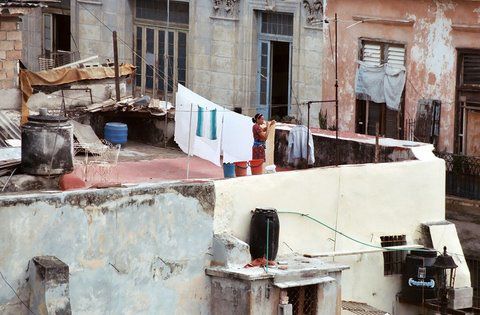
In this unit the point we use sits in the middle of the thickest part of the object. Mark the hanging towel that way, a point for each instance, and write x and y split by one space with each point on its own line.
237 137
394 83
380 84
201 146
369 82
299 141
200 118
213 125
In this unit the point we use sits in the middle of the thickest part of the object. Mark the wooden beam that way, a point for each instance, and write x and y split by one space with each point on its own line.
383 20
466 27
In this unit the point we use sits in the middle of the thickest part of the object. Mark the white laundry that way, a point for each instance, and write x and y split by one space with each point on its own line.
207 144
237 137
380 84
394 83
299 143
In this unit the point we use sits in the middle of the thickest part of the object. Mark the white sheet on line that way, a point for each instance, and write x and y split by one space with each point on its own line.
237 137
202 146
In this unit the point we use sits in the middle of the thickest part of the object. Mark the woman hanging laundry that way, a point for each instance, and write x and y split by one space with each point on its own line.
260 135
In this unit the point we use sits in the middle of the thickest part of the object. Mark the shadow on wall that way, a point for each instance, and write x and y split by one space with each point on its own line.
349 151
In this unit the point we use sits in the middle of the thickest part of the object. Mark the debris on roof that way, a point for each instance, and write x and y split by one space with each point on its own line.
8 131
361 308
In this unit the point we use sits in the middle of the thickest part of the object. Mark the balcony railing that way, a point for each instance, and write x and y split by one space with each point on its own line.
463 175
57 59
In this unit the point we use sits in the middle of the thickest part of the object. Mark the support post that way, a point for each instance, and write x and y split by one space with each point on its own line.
308 129
377 147
336 90
165 76
189 141
115 60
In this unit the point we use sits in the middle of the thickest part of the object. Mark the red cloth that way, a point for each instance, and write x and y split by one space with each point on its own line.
71 181
259 262
258 153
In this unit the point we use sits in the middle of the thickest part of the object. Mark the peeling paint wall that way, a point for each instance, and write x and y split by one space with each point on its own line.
431 52
140 250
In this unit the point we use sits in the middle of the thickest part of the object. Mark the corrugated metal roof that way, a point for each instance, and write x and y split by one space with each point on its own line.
361 308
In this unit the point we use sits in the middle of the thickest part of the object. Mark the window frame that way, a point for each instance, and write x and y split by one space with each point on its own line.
359 104
393 260
157 29
44 48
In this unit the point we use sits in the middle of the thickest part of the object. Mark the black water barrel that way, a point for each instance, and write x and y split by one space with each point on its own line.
47 145
417 284
261 219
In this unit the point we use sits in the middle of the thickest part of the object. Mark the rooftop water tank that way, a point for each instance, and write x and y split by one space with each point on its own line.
47 145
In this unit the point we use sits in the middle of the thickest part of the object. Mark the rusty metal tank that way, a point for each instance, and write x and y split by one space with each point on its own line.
47 145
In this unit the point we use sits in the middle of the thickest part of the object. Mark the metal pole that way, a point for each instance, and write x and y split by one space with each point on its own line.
115 60
308 128
189 138
165 74
336 90
377 147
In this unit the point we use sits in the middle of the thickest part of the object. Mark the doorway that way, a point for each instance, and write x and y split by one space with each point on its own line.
274 64
280 79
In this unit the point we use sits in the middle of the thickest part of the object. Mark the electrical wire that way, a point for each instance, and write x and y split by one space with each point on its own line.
18 297
154 68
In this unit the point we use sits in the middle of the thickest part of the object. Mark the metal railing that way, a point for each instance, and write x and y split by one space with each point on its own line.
463 175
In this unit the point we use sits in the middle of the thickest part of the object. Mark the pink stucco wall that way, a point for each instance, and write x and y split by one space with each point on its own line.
431 52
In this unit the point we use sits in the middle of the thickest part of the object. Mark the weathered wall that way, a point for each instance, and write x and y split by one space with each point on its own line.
349 151
32 26
222 55
95 38
10 53
431 54
362 201
139 250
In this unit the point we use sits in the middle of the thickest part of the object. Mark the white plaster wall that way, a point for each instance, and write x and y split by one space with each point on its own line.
363 201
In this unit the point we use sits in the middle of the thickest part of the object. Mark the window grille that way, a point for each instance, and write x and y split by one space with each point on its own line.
393 260
277 23
303 299
157 10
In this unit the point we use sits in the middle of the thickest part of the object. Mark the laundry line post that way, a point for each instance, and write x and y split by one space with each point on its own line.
189 139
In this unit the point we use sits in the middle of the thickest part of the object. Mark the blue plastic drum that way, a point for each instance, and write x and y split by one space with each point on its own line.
116 133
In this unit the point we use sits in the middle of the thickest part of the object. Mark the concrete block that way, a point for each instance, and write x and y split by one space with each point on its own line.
49 285
461 298
230 251
7 45
14 54
9 64
6 84
3 54
3 35
18 45
14 35
8 25
285 309
3 75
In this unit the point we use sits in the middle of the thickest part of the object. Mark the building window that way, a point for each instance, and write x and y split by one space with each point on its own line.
157 10
303 299
153 39
468 103
393 259
368 113
151 44
277 23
